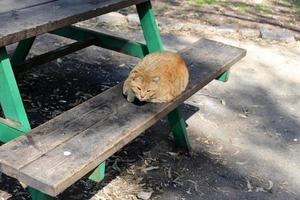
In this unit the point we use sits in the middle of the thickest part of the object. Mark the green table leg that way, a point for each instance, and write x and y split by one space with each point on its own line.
178 128
11 102
154 43
22 51
37 195
8 133
149 27
224 77
98 174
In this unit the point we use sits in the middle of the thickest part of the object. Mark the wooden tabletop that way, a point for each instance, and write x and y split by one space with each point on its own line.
21 19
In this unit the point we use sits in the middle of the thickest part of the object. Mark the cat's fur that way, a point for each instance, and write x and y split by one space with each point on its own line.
159 77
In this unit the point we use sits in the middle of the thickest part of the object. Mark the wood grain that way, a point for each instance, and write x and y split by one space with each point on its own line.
98 128
14 5
24 19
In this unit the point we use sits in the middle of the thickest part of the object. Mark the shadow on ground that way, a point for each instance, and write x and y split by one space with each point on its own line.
151 160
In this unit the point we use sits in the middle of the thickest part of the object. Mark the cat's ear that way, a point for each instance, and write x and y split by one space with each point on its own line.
134 71
137 78
156 79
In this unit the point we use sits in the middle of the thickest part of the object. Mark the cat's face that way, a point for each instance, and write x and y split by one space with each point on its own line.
145 87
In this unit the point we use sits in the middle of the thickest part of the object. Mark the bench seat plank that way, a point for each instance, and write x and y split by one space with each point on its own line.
21 19
115 122
9 5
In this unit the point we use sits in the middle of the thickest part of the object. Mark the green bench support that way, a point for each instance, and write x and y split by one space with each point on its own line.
37 195
224 77
15 121
99 173
22 51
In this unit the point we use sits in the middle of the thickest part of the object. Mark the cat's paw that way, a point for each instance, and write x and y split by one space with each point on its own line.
129 95
130 98
125 90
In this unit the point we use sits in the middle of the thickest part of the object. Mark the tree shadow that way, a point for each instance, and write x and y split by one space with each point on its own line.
260 120
92 71
276 14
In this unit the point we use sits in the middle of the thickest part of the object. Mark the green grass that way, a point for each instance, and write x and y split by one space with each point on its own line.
263 9
243 6
295 4
240 5
162 8
205 2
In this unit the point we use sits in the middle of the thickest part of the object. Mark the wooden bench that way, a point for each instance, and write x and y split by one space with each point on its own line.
56 154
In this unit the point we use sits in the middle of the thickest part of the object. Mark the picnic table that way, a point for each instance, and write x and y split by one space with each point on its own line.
96 129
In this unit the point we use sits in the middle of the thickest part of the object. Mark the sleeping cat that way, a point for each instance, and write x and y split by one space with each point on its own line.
159 77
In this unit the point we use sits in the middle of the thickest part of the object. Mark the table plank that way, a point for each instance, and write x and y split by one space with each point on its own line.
49 135
21 20
10 5
115 122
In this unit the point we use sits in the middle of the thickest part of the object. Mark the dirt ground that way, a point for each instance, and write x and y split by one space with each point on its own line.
245 133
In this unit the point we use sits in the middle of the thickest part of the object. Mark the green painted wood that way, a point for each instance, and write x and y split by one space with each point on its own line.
37 195
8 133
52 55
178 128
224 77
98 174
149 27
10 97
104 40
154 43
22 51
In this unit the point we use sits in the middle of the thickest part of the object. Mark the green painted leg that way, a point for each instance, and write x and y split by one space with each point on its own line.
11 102
22 51
8 133
149 27
224 77
37 195
178 127
98 174
154 43
103 40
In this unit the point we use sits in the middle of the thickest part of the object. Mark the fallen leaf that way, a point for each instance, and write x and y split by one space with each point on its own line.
271 184
243 115
223 102
150 168
249 186
145 195
172 153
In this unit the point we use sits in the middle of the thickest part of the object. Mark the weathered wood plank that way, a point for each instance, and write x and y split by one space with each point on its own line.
33 18
51 134
115 122
13 5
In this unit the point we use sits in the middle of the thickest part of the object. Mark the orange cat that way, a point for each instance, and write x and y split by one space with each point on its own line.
159 77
